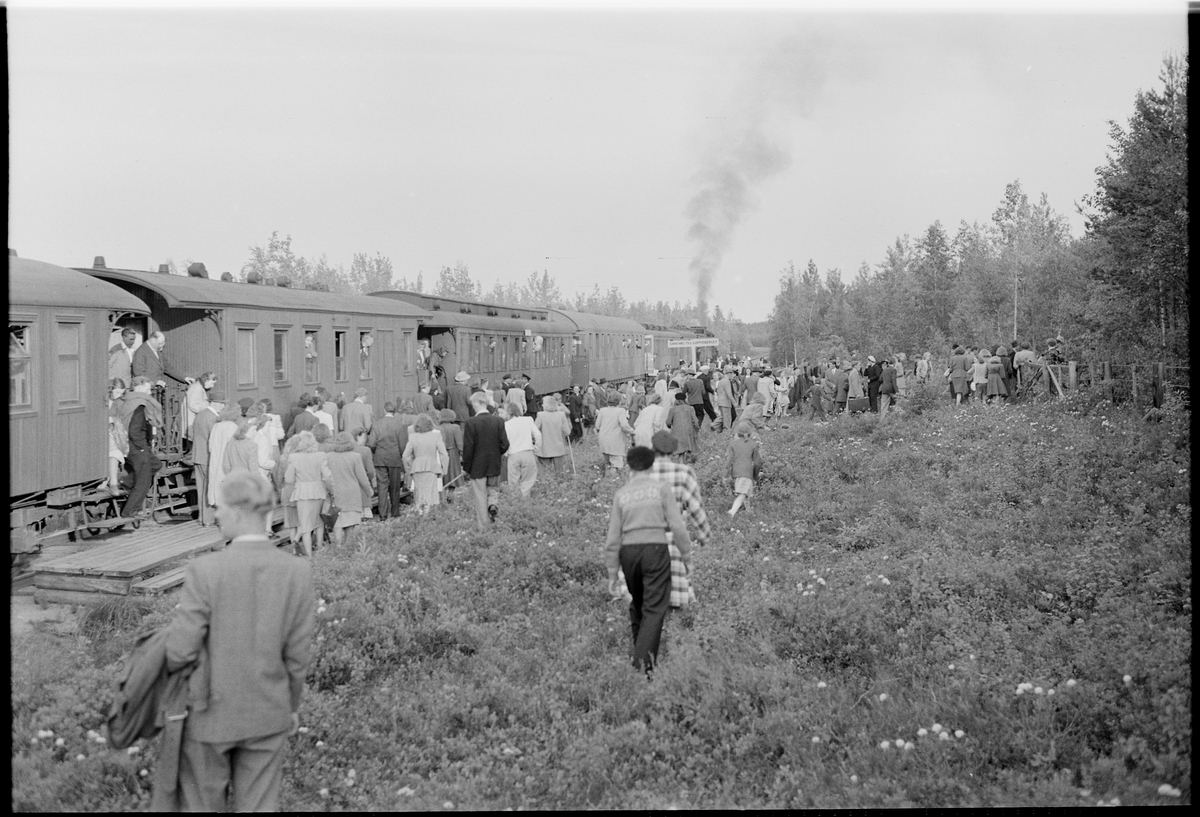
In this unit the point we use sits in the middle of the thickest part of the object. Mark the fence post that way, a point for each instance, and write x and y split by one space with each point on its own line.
1159 378
1133 382
1107 376
1072 376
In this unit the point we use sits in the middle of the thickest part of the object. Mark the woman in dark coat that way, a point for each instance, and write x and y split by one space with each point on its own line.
960 374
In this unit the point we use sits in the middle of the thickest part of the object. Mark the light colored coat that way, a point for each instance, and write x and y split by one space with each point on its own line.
614 430
247 613
651 420
555 427
426 451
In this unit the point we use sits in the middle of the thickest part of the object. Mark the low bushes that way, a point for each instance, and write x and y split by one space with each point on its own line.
887 578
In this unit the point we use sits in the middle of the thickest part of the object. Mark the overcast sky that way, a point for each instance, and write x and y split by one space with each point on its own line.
585 142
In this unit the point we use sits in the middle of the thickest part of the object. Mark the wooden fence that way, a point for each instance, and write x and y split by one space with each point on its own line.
1136 384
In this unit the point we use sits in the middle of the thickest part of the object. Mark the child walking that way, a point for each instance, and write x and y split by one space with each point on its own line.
745 464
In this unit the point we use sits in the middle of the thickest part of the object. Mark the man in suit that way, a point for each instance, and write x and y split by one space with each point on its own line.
306 420
484 443
709 391
358 414
531 401
150 363
246 615
384 442
693 390
120 357
725 400
202 427
873 372
458 396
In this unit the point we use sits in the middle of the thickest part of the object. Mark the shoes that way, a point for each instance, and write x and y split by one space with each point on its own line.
493 512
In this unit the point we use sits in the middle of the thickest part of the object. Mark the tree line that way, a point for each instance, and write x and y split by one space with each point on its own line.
367 274
1119 292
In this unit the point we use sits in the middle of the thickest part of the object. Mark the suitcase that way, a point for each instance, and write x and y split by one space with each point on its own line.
858 404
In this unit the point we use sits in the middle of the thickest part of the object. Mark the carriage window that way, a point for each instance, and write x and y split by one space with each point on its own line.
364 355
476 353
489 357
501 354
408 351
312 370
245 356
67 373
281 372
20 366
340 364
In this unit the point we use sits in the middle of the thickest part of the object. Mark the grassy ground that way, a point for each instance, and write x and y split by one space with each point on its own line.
888 579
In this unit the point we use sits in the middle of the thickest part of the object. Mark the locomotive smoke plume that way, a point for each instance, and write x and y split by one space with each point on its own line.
785 83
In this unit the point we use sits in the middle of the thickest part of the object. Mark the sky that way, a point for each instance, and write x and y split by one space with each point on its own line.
677 153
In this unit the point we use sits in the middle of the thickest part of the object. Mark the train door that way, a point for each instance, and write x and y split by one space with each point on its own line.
136 322
385 348
580 368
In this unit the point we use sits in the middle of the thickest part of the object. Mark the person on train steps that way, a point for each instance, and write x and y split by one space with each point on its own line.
142 416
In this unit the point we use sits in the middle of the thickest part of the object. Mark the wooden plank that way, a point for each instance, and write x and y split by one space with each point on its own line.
90 584
70 597
161 582
142 563
138 541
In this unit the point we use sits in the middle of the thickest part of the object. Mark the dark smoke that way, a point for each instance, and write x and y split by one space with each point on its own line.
785 83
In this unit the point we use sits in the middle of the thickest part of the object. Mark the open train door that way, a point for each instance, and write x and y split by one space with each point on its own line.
580 369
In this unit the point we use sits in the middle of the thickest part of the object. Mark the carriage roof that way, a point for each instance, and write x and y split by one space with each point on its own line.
36 283
188 292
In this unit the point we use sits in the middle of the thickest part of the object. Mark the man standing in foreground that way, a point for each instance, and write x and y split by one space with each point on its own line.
247 614
484 443
643 510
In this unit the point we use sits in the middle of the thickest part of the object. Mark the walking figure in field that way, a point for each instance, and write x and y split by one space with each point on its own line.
484 444
247 615
745 465
643 511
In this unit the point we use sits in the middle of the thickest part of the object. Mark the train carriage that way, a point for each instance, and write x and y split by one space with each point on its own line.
59 322
606 348
490 340
273 341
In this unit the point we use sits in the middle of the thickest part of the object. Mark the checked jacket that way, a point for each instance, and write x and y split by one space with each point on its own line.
686 489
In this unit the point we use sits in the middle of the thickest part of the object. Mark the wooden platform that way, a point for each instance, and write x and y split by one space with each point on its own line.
151 559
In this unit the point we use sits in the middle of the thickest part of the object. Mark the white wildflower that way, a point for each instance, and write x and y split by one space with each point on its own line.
958 733
886 744
943 736
922 732
821 684
883 696
81 757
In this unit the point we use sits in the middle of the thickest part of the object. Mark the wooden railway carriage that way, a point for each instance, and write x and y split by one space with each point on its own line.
489 341
274 341
605 348
59 322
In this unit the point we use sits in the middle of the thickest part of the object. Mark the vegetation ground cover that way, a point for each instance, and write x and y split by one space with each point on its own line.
1019 577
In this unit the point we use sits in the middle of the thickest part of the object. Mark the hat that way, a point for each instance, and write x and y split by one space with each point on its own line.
360 392
705 367
216 396
871 358
461 377
246 402
664 442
